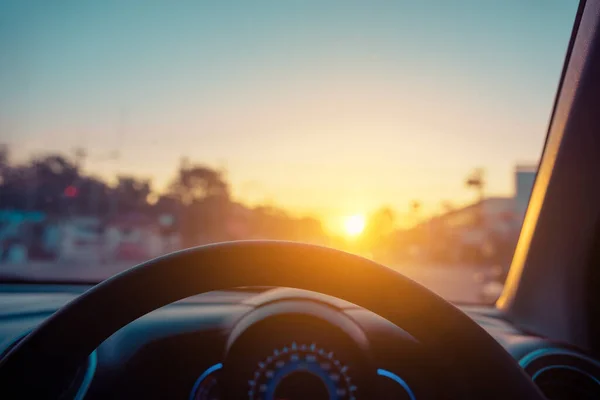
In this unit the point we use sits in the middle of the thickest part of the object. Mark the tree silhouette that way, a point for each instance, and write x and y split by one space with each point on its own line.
199 198
4 156
130 194
38 184
197 182
204 203
93 197
476 181
381 222
415 211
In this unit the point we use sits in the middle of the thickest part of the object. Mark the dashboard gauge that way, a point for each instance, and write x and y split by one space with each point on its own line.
207 385
393 387
299 372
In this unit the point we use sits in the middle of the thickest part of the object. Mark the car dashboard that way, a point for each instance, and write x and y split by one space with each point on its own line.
278 343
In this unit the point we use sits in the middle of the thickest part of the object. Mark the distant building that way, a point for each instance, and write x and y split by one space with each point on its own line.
15 234
492 215
132 237
524 180
487 229
80 239
497 215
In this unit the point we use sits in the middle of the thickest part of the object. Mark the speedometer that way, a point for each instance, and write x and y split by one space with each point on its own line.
301 371
207 385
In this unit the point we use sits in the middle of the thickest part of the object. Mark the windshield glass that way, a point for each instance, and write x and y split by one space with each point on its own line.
407 132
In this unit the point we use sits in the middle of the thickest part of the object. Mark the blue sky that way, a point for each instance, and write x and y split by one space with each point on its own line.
328 107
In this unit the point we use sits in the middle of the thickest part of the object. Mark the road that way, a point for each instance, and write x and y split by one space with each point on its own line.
455 283
459 284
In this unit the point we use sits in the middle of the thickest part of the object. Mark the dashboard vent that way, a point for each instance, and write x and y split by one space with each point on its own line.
563 374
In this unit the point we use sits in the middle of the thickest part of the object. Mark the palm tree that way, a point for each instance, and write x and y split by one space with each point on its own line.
415 207
476 181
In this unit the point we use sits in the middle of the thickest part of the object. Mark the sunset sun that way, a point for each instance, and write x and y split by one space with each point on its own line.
354 225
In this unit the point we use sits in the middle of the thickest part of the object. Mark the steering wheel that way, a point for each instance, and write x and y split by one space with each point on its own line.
39 364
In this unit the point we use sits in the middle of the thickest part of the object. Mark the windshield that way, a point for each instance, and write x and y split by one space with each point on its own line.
407 132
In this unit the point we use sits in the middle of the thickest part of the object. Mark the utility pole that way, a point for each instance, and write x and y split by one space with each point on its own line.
79 154
31 181
477 181
121 130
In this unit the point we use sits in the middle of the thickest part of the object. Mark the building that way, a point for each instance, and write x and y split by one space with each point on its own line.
524 180
80 239
493 215
133 237
479 232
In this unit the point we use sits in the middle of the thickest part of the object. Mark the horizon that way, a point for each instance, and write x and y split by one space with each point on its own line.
336 225
318 109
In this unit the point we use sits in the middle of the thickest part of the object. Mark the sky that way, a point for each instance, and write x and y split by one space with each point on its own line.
322 107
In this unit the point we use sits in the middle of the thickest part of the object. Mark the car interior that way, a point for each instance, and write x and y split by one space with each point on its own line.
264 319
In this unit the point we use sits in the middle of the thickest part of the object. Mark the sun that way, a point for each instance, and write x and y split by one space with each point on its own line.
354 225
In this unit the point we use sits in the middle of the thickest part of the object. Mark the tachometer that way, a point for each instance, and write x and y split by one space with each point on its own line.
299 372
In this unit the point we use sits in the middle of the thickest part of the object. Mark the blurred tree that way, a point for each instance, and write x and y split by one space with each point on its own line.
8 196
377 236
415 210
4 162
203 194
271 223
49 181
131 194
198 197
166 204
415 205
381 222
476 181
196 182
268 222
53 184
4 155
93 196
38 184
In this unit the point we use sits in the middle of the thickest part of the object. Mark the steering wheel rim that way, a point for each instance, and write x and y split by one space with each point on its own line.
42 359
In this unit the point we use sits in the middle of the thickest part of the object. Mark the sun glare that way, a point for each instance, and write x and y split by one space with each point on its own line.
354 225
